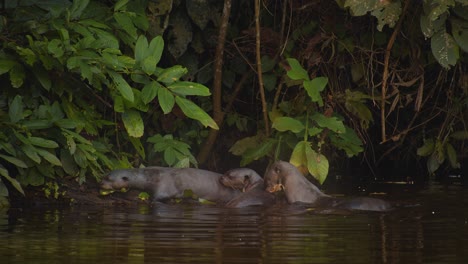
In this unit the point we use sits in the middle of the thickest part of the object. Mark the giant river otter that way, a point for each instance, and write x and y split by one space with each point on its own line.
252 186
166 183
283 175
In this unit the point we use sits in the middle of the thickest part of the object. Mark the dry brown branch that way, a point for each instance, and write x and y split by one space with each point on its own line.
385 72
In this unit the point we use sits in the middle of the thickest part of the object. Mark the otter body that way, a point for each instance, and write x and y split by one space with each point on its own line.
252 186
283 175
166 183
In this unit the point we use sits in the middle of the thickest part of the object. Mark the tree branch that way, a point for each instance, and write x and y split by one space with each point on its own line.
217 85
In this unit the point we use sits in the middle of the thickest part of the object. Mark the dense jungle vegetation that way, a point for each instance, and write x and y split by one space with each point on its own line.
88 86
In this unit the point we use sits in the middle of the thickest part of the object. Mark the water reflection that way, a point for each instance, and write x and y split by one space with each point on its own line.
435 232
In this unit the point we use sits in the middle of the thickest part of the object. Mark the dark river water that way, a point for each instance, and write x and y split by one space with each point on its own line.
432 228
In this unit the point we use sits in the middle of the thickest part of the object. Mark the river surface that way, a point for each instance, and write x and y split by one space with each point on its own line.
432 227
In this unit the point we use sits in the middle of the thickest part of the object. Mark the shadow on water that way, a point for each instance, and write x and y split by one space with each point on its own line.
434 232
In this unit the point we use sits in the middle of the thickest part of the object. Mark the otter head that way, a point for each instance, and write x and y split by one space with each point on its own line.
116 180
274 177
241 179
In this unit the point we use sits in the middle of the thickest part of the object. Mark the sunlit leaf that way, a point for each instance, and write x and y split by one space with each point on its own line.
149 65
133 123
287 124
189 88
314 87
317 164
296 72
172 74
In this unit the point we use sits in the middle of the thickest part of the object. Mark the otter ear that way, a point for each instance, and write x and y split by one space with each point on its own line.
277 169
246 179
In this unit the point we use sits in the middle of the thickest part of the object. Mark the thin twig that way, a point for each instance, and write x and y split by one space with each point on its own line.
385 72
259 68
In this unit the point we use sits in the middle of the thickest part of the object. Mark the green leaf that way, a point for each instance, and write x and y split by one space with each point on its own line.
166 99
195 112
172 74
120 4
444 48
17 75
31 152
37 124
460 33
55 47
133 123
77 8
43 77
49 157
14 182
433 163
298 157
460 135
141 47
313 131
66 123
6 65
258 152
119 105
452 156
15 111
332 123
314 87
15 161
41 142
360 7
68 163
149 65
156 48
136 142
427 148
125 21
122 85
296 72
189 88
388 14
348 141
150 91
317 164
242 145
287 123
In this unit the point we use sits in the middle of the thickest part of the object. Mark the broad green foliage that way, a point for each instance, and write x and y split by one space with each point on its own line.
307 123
77 78
434 20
